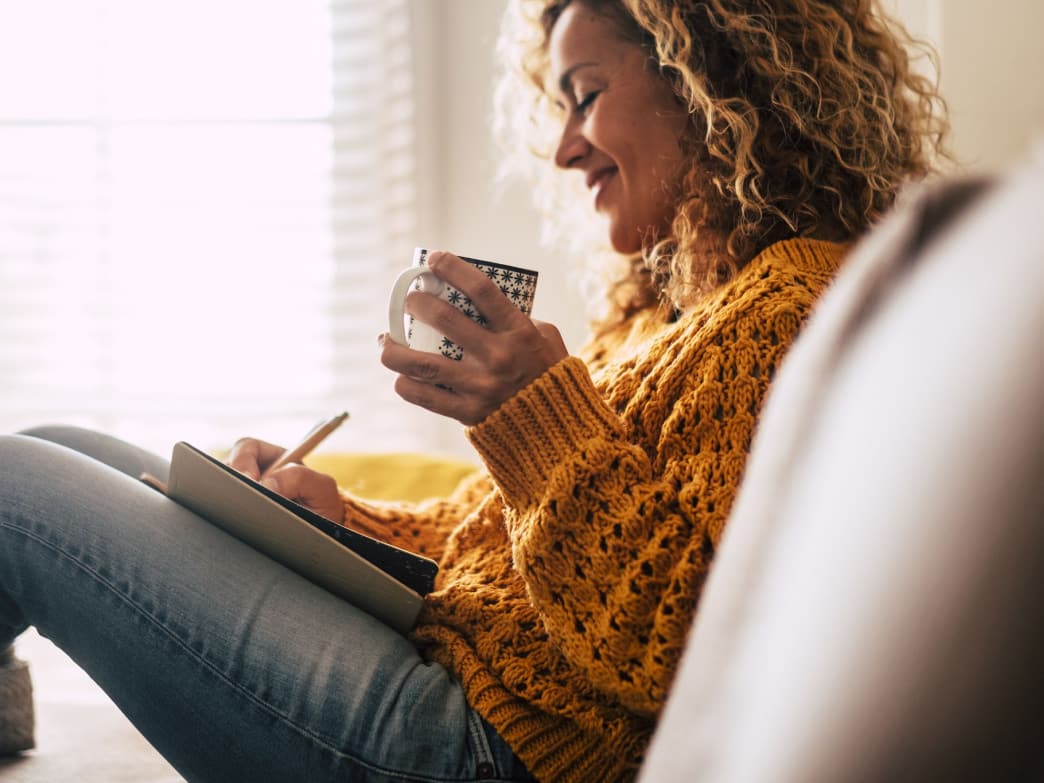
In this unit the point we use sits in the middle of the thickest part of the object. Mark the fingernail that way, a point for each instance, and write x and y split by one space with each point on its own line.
381 338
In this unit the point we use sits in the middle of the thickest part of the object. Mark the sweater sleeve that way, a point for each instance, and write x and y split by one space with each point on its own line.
614 540
420 527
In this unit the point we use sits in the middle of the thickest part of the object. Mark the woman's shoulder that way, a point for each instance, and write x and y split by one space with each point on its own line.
818 257
789 275
791 267
786 277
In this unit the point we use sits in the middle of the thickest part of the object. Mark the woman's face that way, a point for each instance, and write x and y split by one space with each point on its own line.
622 125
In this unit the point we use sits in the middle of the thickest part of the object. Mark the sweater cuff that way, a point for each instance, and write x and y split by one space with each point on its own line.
541 428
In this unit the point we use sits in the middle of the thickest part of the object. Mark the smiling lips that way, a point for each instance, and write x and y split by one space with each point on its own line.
598 179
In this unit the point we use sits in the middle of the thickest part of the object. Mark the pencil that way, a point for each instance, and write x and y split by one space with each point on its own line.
316 436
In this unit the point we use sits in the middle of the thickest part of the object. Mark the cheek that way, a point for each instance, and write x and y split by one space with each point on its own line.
660 172
667 168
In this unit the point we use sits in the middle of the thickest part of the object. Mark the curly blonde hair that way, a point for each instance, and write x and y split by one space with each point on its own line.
806 118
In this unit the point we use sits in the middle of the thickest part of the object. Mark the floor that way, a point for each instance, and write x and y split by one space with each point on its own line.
80 735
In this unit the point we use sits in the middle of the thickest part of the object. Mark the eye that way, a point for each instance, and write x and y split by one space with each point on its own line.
583 103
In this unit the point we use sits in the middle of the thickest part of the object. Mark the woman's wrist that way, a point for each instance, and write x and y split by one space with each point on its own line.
544 425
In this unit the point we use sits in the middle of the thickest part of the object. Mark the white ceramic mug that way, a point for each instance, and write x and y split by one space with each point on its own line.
519 285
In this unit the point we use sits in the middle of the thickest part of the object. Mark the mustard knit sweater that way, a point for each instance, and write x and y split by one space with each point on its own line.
570 567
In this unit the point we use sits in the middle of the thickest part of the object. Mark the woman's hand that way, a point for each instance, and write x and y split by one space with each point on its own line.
313 490
499 359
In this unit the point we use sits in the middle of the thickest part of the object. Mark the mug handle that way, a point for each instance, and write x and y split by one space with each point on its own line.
397 302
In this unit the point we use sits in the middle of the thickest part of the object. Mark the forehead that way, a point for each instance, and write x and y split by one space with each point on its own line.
583 36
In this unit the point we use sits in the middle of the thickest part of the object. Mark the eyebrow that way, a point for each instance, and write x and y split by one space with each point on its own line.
565 81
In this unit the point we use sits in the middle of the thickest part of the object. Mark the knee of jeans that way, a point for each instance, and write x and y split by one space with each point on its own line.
81 439
11 447
13 455
22 457
57 433
13 450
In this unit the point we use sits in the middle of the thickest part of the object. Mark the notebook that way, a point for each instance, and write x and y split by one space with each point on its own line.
384 580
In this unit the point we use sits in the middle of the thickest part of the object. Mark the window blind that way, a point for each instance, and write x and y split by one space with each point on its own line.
202 206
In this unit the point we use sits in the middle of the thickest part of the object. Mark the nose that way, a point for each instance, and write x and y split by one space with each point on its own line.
572 146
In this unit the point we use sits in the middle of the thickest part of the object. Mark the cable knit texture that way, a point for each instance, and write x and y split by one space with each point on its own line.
571 567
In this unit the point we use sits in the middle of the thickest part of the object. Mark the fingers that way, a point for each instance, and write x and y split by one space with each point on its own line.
475 375
301 484
469 409
433 382
444 318
313 490
498 310
501 356
251 456
421 365
496 343
468 390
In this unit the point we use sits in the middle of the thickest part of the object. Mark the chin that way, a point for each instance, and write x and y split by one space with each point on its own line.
626 245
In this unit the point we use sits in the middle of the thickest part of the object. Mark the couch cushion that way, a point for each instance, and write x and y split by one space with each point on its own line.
393 476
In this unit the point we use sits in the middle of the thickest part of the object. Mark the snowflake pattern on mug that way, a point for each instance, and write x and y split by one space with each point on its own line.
518 285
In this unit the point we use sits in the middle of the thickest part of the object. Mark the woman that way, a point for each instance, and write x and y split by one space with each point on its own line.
731 150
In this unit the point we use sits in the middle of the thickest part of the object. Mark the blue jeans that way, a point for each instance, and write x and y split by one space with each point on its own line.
234 667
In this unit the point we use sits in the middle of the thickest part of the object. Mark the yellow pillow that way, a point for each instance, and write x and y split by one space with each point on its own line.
392 476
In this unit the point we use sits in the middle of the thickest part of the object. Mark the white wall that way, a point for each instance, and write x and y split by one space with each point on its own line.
992 74
992 62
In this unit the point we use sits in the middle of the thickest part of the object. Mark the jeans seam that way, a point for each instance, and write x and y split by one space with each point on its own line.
479 740
208 666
